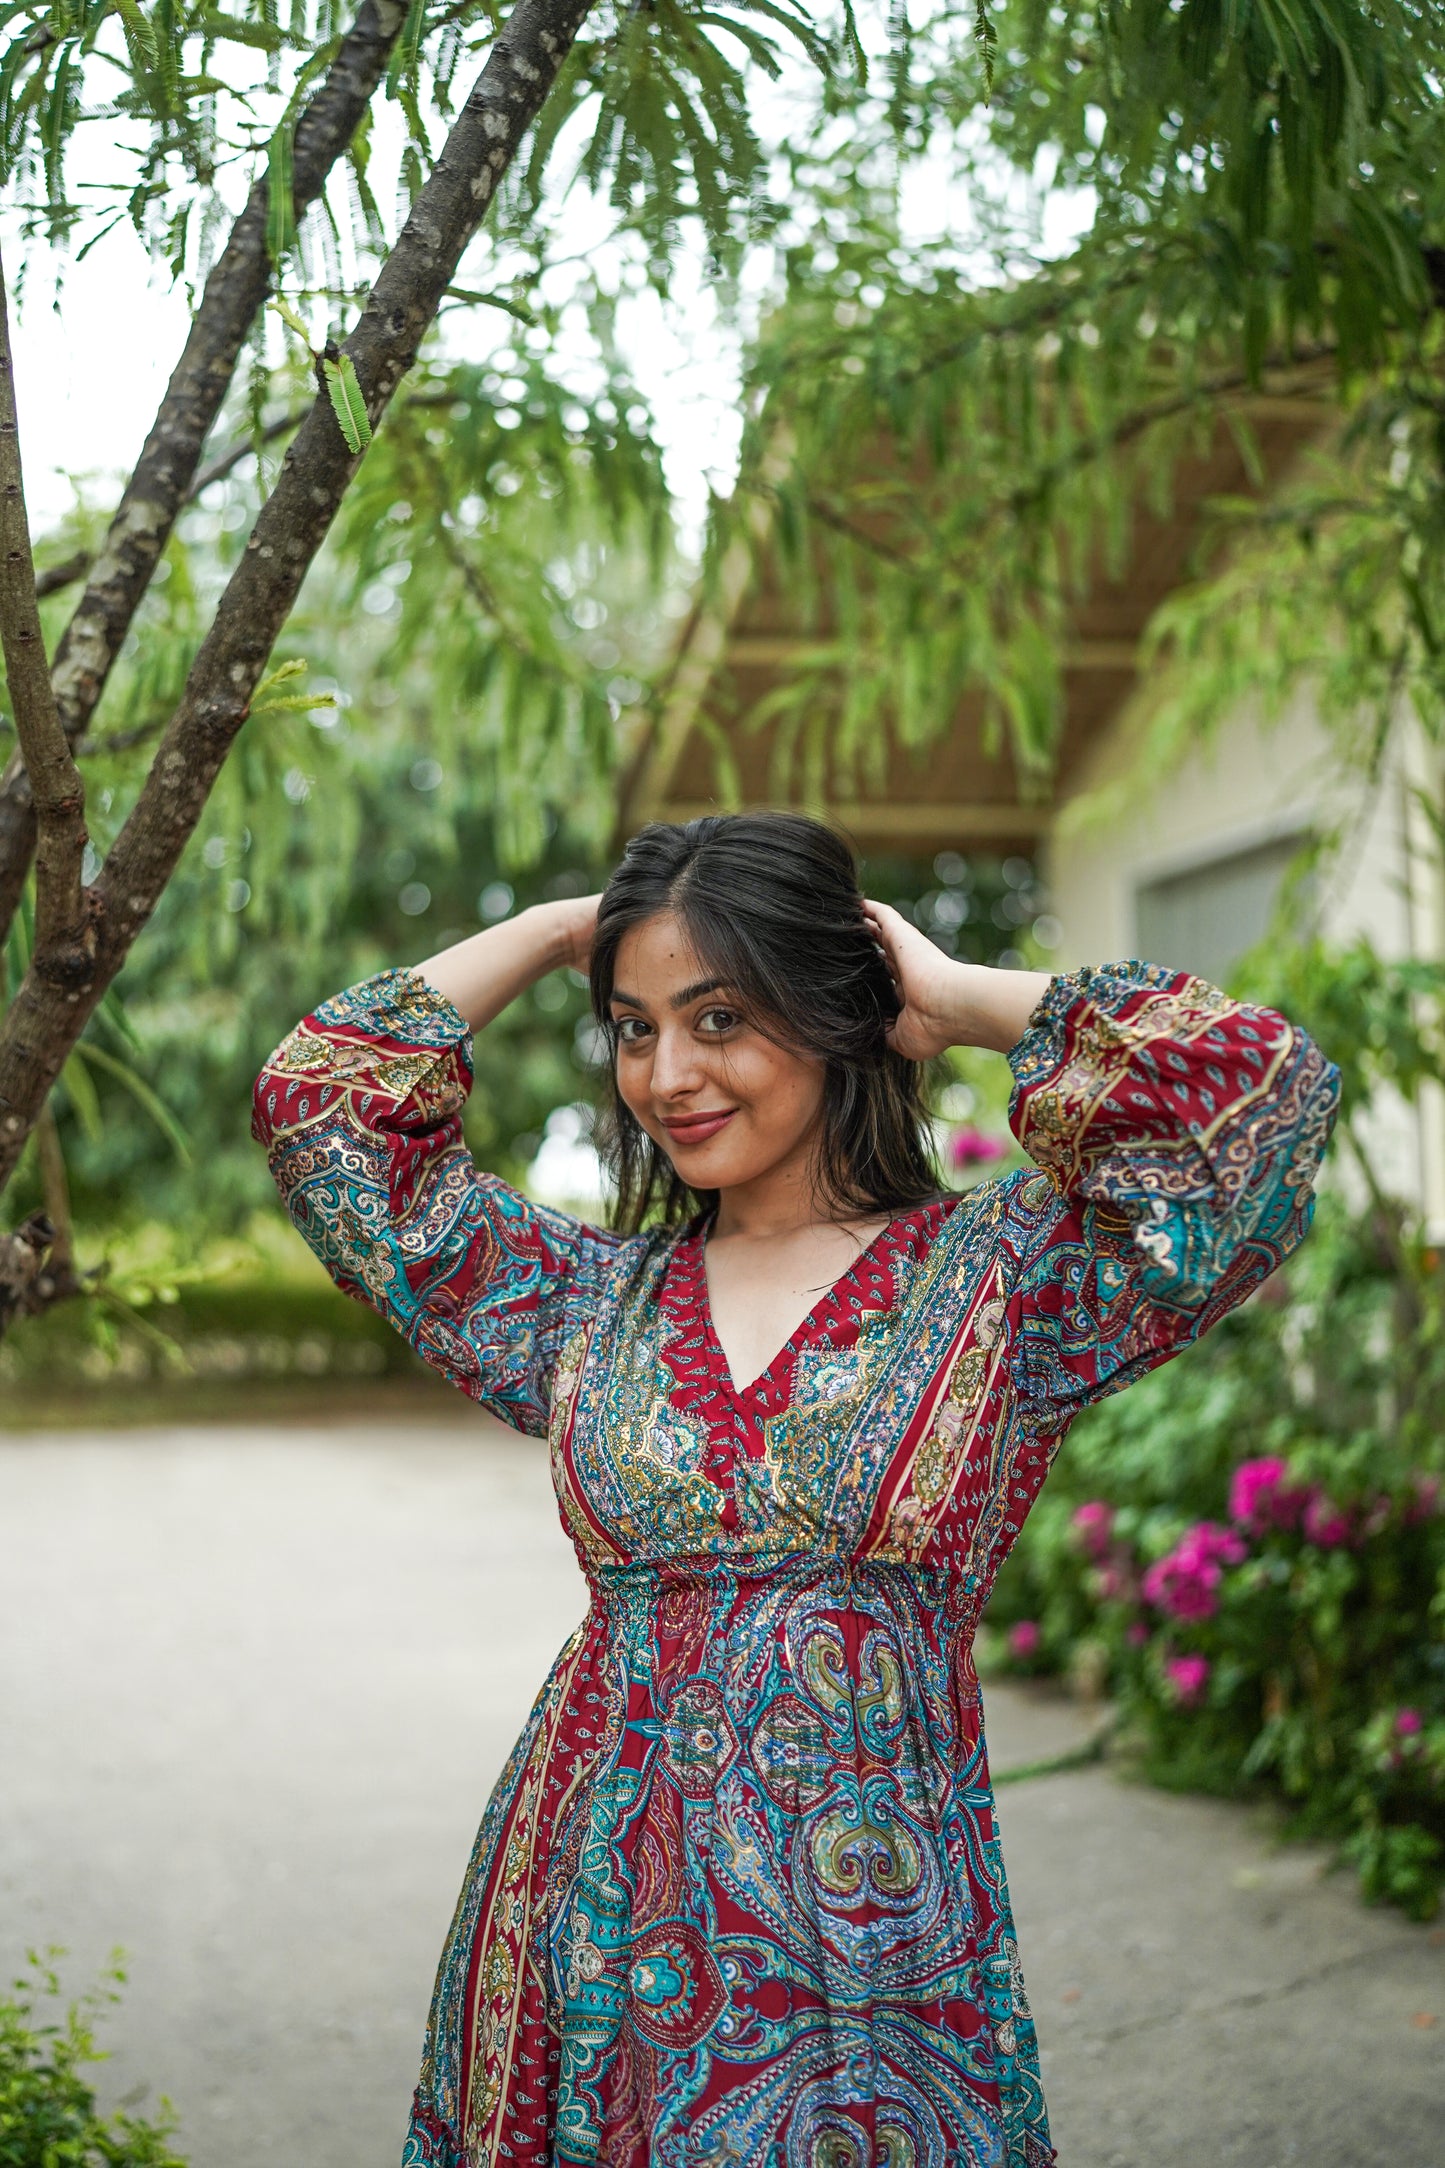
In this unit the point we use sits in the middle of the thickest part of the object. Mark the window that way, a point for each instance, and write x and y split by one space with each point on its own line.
1205 919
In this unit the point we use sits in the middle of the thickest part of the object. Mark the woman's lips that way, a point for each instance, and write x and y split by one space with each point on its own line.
696 1128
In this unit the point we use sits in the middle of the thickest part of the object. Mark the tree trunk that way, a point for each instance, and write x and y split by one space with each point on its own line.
43 1022
64 936
169 458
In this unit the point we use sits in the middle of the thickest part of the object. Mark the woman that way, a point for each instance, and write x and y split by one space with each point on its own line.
738 1896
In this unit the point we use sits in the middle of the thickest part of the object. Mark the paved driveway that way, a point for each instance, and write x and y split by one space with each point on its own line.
255 1684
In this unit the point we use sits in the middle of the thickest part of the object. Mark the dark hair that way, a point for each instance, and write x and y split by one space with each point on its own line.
772 907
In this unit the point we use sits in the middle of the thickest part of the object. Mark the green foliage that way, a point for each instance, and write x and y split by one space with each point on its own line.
1307 1661
198 87
972 428
438 741
49 2117
671 135
1338 581
189 1317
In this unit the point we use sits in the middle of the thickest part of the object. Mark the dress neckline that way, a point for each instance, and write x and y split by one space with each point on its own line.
691 1255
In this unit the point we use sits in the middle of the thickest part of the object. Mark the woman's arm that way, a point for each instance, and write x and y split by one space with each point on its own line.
1180 1133
360 1110
945 1003
484 974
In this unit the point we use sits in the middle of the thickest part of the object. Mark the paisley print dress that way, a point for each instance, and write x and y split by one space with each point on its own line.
738 1895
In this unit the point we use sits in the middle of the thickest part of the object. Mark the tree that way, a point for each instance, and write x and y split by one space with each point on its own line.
83 931
1250 166
1268 222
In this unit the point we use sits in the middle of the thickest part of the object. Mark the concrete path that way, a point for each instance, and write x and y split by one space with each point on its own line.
255 1685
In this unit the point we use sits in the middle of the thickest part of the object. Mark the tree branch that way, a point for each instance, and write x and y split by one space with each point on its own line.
38 1030
59 1277
64 935
166 468
281 425
54 577
224 463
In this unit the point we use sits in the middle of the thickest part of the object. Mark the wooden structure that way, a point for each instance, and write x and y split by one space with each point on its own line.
956 794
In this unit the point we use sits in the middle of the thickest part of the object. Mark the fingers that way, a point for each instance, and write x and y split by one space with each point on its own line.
877 915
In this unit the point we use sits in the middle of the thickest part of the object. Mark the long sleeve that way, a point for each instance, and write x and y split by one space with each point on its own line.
360 1110
1180 1133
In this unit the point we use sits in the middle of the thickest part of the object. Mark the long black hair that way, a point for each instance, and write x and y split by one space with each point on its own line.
771 905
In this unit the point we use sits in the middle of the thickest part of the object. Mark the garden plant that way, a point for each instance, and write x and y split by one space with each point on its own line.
49 2115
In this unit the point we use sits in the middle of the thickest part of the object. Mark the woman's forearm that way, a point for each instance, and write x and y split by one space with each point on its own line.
991 1007
483 974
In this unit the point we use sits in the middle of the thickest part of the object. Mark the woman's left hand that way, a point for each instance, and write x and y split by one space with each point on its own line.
946 1003
926 982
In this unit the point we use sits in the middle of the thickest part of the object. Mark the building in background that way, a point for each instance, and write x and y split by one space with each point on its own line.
1186 869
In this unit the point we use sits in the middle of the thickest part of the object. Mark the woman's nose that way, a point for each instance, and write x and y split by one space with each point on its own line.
675 1065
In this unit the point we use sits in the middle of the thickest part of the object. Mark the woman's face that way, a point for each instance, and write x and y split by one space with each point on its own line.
726 1103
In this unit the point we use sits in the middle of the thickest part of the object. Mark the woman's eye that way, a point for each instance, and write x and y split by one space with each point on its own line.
630 1029
715 1021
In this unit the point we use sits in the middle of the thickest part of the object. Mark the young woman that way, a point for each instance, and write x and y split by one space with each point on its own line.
738 1895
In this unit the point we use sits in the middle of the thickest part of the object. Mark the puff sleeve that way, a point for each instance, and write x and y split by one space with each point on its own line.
1180 1133
360 1111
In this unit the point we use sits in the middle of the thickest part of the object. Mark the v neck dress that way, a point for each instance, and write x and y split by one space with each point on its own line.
738 1895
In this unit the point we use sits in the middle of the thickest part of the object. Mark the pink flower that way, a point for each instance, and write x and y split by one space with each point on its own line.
974 1148
1138 1635
1325 1522
1093 1525
1188 1676
1186 1582
1024 1640
1408 1722
1210 1544
1260 1497
1184 1593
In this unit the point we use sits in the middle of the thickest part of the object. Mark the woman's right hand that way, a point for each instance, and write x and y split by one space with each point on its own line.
576 922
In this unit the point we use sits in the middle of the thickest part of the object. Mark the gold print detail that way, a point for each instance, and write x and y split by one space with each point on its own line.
838 2149
857 1853
989 1323
933 1471
349 1062
825 1668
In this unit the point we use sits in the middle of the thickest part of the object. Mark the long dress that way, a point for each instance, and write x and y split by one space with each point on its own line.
738 1895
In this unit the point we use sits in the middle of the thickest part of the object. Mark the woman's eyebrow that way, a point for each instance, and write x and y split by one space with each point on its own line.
696 992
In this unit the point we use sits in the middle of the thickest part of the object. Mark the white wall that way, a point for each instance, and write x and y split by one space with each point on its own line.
1252 784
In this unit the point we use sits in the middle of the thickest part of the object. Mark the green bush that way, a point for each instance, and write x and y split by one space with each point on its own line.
1248 1547
197 1327
48 2112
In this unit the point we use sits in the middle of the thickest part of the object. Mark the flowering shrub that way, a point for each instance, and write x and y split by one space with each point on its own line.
1248 1546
